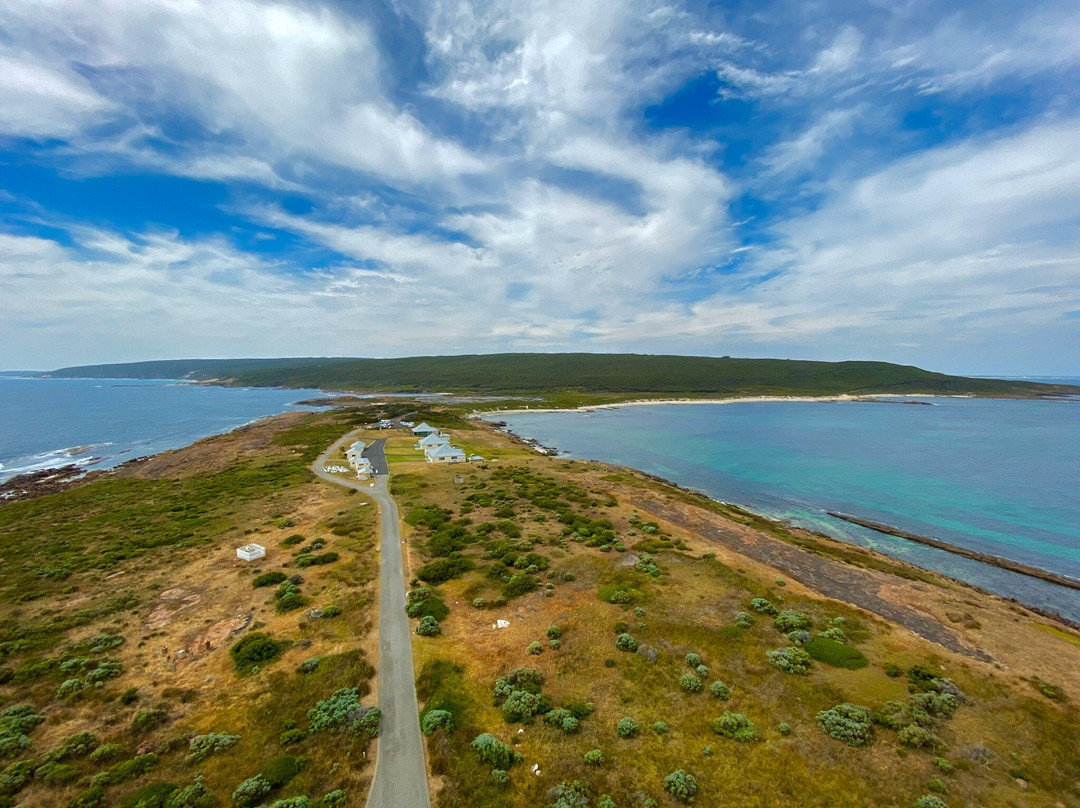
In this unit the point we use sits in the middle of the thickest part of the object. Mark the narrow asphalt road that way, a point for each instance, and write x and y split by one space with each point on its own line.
400 771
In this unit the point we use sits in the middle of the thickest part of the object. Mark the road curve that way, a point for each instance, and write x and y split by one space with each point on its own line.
400 771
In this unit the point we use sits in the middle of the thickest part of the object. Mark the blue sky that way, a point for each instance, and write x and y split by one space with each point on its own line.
895 181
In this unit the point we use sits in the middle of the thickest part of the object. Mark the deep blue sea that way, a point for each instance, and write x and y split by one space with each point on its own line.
99 423
998 476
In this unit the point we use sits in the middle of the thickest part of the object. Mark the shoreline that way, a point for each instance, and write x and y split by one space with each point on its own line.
997 562
881 398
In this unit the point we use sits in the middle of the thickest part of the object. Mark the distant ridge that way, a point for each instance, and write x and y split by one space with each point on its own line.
540 373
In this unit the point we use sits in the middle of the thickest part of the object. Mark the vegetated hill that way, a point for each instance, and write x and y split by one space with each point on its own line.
578 372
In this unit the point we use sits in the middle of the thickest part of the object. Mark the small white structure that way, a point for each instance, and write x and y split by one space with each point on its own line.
422 430
476 458
431 441
501 624
445 454
250 552
363 468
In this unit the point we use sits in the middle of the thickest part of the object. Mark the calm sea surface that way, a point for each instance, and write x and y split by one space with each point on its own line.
1001 477
98 423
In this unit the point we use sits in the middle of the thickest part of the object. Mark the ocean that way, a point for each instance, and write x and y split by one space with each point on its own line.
996 476
99 423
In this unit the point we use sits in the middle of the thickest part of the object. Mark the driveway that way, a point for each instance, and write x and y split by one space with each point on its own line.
400 770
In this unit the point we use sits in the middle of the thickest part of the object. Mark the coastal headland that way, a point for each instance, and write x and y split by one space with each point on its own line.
137 568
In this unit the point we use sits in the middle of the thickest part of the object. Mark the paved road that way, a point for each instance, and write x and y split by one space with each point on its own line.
400 771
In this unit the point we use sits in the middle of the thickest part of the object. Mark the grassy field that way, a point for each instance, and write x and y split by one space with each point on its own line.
574 379
122 598
570 529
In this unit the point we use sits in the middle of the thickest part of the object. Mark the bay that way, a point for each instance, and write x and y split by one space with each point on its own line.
996 476
99 423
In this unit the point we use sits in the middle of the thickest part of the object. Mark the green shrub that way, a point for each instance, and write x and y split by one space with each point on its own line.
605 801
500 777
311 560
129 769
331 611
437 719
627 727
702 671
15 723
299 801
943 766
834 633
624 642
479 603
428 627
269 579
290 737
849 723
106 752
343 711
594 757
554 632
129 696
784 728
790 620
281 771
534 648
793 660
799 636
707 750
527 679
689 683
692 660
763 606
570 795
1051 691
681 785
254 650
251 791
563 719
443 569
735 726
915 737
929 801
521 706
56 774
309 665
292 541
202 746
893 670
555 645
146 720
835 653
938 786
494 752
720 690
660 728
520 584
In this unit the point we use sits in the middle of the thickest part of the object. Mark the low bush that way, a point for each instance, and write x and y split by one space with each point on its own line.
835 633
312 560
15 723
202 746
292 541
681 785
938 786
784 728
554 632
624 642
331 611
428 627
692 660
494 752
689 683
106 752
763 606
527 679
735 726
342 711
929 801
915 737
594 757
521 706
56 774
790 620
251 791
627 727
850 723
281 771
500 777
562 718
534 648
720 690
146 720
660 728
437 719
309 665
254 650
835 653
269 579
290 737
791 660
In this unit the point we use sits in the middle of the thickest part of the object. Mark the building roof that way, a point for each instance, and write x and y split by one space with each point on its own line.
422 427
446 450
433 439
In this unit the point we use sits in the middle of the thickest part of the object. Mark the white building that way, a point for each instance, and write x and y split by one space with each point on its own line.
432 441
445 454
363 467
250 552
422 429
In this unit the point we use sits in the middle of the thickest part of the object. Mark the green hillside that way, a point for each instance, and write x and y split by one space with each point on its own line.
619 374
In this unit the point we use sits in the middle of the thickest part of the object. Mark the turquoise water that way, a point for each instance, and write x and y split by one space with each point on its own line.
997 476
98 423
